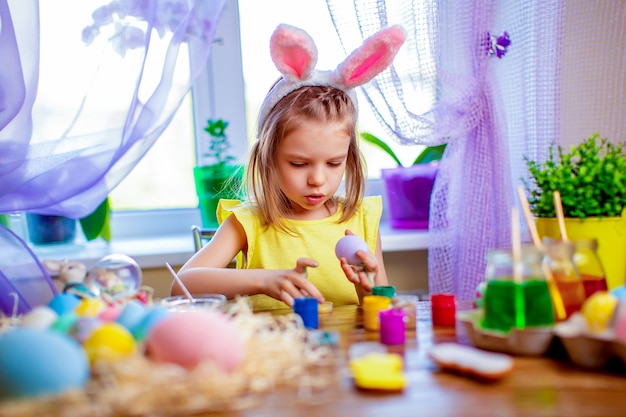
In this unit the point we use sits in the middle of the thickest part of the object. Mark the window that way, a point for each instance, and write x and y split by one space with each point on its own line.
163 179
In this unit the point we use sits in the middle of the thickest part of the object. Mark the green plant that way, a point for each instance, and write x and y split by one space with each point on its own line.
218 143
428 154
98 223
591 179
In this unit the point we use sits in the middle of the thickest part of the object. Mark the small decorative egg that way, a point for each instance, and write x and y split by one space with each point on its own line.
40 317
89 307
109 342
37 362
131 314
64 323
110 313
84 327
620 322
479 294
347 247
116 275
598 310
191 337
64 303
619 292
152 317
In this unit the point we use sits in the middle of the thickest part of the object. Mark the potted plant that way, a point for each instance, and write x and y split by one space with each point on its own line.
45 229
408 189
591 179
220 179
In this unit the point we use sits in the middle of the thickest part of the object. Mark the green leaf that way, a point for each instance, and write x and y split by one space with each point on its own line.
97 223
430 154
368 137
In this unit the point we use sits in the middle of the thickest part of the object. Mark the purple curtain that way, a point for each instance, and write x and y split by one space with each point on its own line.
63 157
448 85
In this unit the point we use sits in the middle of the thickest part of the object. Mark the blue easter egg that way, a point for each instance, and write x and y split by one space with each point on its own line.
132 314
152 317
64 303
619 292
36 362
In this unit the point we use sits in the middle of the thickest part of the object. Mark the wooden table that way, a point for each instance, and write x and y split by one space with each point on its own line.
537 387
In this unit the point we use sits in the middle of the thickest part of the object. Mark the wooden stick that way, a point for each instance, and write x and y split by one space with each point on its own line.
558 207
179 281
528 216
557 300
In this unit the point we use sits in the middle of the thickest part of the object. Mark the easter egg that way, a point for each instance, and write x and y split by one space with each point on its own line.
117 276
619 292
64 303
131 314
150 319
347 247
89 307
190 337
40 317
84 327
64 323
37 362
109 342
598 310
479 294
620 322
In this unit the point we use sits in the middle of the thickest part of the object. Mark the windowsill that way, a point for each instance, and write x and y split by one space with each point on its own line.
154 251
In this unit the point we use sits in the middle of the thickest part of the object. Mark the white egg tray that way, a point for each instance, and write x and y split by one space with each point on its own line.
524 342
593 351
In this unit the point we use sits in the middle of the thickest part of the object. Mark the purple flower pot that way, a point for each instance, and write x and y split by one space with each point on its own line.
407 191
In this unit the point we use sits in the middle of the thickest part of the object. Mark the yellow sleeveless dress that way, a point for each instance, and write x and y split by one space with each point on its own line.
270 248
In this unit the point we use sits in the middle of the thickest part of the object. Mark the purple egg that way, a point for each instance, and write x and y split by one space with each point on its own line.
347 247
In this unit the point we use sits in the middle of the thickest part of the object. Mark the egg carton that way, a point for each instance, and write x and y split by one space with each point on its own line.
529 341
589 350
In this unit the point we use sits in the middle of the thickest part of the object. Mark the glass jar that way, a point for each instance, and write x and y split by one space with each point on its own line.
589 266
507 303
560 260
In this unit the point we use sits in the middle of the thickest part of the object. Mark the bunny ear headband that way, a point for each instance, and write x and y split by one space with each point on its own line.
295 55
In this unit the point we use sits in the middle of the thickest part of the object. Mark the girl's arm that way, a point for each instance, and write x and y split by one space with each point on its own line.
207 271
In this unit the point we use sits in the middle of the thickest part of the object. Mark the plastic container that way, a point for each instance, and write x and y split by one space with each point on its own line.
372 305
392 327
443 309
306 308
384 290
408 304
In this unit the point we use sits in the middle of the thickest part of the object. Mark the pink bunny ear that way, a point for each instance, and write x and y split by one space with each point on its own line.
293 52
372 58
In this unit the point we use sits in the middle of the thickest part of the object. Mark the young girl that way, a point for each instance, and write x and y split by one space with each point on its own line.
288 228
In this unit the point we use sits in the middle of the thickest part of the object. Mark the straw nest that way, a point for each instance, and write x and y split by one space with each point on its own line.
278 357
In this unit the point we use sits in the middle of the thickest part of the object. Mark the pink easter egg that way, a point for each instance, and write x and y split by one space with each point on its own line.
191 337
347 247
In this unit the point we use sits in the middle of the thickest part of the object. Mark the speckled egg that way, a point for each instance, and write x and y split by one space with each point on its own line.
347 247
188 338
37 362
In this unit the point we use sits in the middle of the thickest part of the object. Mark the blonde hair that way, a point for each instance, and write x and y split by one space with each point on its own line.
321 104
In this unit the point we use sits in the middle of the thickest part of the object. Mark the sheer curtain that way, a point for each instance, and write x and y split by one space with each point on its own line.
63 157
446 86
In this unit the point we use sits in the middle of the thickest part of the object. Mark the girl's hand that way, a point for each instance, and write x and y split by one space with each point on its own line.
285 285
364 274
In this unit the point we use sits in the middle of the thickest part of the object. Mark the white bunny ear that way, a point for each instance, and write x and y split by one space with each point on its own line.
372 58
293 52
